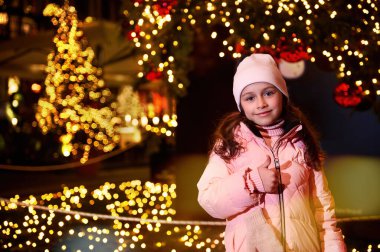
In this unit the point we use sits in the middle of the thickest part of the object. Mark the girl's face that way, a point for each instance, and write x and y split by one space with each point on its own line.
261 103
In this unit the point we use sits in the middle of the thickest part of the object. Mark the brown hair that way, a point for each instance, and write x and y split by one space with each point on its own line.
227 147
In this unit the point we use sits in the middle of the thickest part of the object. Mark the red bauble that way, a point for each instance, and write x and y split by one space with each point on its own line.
348 96
239 48
135 32
292 51
153 75
163 7
294 56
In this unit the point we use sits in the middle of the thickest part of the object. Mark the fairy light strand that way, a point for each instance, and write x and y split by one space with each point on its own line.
121 218
348 49
53 216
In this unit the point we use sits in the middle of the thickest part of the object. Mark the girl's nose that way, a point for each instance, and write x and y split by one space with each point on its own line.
261 103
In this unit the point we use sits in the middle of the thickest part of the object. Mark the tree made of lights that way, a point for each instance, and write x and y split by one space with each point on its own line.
76 104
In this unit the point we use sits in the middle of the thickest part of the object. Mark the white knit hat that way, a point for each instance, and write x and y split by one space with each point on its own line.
257 68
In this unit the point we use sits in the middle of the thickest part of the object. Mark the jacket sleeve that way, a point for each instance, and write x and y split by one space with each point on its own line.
221 194
324 209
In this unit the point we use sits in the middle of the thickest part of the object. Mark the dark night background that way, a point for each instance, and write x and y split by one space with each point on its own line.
343 131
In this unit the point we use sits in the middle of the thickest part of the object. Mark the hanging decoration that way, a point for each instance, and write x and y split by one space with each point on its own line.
292 49
76 105
292 56
348 96
291 70
154 75
164 7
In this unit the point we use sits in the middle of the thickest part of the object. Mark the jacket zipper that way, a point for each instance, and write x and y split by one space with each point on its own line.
280 199
276 147
274 151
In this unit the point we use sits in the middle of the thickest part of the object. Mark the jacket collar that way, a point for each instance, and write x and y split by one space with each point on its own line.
290 129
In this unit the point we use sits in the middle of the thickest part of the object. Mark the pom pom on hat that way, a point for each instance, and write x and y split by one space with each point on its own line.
257 68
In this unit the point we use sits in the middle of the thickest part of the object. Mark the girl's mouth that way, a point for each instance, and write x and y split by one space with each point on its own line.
263 113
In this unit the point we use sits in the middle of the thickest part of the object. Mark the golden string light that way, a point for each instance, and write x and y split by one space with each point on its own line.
133 213
160 31
349 49
321 30
350 53
254 18
77 104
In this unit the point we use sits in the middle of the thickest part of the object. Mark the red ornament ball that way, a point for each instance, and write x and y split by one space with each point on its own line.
164 7
348 96
153 75
294 56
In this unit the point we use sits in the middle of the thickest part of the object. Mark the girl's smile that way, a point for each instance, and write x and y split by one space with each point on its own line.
263 113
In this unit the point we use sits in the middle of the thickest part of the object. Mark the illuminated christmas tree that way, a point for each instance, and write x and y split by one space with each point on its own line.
76 105
341 36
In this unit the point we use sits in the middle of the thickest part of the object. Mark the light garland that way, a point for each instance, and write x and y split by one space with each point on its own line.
57 223
266 23
136 215
75 104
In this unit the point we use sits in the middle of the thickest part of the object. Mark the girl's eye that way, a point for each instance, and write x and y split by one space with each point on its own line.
249 98
269 93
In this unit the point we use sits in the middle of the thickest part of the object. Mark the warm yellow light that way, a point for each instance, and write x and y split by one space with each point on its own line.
13 85
14 121
3 18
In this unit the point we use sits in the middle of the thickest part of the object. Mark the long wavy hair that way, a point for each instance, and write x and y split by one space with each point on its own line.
228 147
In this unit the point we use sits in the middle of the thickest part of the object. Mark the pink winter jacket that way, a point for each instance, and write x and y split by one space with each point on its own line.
309 206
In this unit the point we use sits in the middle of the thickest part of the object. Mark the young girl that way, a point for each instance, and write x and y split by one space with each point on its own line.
265 174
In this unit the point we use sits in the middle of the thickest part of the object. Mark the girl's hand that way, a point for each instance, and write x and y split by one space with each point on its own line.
269 177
